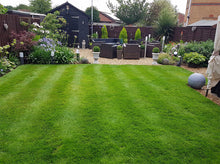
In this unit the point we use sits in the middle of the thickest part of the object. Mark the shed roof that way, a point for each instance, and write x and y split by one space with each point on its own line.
64 5
205 23
25 13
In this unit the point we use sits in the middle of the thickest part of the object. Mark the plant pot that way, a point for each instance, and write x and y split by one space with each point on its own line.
96 57
142 53
155 58
119 54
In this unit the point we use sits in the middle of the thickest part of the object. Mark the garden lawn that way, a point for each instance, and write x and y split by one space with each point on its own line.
105 114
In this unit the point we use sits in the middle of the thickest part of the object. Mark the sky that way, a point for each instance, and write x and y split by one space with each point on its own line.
83 4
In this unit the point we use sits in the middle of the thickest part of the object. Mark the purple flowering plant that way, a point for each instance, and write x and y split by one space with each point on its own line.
49 44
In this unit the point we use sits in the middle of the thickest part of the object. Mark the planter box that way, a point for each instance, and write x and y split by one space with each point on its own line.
119 54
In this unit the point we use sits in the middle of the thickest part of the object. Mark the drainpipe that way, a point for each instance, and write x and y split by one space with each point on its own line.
188 15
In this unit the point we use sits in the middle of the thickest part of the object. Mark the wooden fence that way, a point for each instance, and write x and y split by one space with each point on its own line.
180 33
186 34
13 23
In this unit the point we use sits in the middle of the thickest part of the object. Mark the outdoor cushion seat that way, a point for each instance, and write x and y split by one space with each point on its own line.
108 50
131 51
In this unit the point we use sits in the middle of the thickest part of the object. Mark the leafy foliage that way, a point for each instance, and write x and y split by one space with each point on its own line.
123 35
96 49
6 66
3 10
156 50
4 50
40 55
165 24
194 59
204 48
137 34
154 11
119 47
129 11
23 7
50 27
167 59
96 17
63 55
23 41
40 6
104 32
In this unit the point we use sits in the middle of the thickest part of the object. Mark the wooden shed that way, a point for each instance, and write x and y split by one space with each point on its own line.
77 23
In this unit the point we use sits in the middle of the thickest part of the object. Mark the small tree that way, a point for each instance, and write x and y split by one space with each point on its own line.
96 17
123 35
104 32
137 34
2 9
166 22
40 6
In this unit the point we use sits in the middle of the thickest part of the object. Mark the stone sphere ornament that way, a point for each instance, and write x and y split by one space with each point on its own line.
196 80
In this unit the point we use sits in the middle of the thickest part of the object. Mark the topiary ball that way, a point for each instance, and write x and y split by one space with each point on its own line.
196 80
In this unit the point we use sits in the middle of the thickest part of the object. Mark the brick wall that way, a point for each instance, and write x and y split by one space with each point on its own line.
203 9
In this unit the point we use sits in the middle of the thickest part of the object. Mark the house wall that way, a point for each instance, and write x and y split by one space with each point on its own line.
202 9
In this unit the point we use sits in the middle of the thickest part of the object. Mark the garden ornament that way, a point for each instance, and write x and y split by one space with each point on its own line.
196 80
5 26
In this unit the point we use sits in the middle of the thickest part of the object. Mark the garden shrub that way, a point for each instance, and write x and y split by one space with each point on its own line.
203 48
119 47
142 46
156 50
23 41
96 49
40 56
165 58
64 55
194 59
104 32
95 35
6 66
123 35
50 27
4 50
137 34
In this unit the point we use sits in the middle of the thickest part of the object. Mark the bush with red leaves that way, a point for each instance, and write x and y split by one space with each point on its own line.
24 41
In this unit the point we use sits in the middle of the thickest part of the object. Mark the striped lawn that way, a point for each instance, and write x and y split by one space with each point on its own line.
105 114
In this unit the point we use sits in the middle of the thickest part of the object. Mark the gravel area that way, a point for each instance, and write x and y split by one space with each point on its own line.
87 53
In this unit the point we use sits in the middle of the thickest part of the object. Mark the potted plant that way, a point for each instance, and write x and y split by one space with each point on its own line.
96 52
155 54
142 50
119 52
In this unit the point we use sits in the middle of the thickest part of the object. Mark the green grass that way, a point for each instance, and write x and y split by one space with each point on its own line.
105 114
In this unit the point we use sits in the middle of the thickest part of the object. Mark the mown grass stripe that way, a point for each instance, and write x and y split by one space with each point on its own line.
112 114
22 128
15 79
46 137
187 123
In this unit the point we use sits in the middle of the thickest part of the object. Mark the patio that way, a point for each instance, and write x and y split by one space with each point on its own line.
87 53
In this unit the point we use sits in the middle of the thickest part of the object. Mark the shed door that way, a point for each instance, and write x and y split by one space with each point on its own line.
73 31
